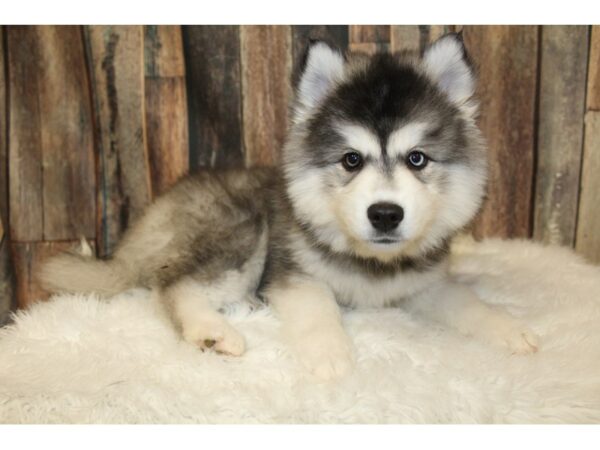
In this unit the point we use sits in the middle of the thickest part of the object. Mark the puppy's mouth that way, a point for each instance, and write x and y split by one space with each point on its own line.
385 241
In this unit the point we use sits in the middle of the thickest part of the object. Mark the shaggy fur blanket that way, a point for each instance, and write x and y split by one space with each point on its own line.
77 359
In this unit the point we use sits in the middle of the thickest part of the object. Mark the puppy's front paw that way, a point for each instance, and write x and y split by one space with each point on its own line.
506 331
217 335
327 354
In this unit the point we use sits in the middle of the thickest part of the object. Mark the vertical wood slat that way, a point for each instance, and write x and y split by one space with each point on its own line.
51 143
6 283
301 34
369 38
593 90
588 220
266 90
6 275
166 106
587 240
25 151
405 37
507 60
560 132
3 134
115 57
212 57
416 37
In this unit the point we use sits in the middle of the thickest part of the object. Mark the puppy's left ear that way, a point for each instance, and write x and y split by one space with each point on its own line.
320 70
447 64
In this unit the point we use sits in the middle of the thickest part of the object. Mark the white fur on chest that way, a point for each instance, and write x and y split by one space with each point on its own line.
353 288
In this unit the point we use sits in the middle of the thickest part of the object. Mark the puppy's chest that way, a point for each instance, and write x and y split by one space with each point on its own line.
355 288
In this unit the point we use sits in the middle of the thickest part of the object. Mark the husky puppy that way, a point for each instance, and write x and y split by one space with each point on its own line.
382 166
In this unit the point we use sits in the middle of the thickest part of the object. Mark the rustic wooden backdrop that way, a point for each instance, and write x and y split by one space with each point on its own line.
98 120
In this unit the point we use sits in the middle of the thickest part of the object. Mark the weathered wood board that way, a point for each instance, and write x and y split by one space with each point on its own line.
506 57
212 55
166 106
266 90
560 132
115 55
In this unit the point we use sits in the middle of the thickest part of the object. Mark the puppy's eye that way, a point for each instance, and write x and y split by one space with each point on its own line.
352 161
417 160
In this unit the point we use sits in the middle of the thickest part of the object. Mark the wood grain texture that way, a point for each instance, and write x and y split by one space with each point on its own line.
416 37
163 51
6 276
51 143
6 281
593 92
69 182
507 60
115 56
167 132
25 138
369 33
212 55
166 106
302 34
588 217
266 70
28 258
564 52
3 135
405 37
369 38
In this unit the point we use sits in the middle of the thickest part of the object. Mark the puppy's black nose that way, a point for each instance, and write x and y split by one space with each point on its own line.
385 216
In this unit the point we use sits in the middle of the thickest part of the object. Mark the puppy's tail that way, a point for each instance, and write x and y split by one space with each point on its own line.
81 272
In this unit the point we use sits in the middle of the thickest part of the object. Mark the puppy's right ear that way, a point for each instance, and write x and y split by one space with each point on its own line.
319 71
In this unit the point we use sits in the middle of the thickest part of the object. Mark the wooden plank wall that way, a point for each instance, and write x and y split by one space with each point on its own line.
98 120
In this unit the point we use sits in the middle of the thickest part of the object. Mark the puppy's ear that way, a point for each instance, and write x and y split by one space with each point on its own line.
320 69
447 64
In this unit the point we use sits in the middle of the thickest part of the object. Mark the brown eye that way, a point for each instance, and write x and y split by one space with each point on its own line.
417 160
352 161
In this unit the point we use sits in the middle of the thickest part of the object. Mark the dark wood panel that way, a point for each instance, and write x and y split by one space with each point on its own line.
212 55
25 137
507 60
593 92
166 106
115 55
564 53
6 276
588 220
301 34
6 283
3 135
266 71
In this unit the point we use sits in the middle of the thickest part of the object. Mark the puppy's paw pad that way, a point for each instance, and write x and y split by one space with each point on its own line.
217 335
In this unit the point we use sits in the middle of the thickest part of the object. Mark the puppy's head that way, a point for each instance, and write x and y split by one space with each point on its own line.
383 157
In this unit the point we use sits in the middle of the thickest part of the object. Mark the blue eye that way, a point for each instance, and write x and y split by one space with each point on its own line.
417 160
352 161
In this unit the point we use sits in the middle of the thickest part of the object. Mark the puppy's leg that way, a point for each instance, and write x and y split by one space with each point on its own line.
193 307
311 321
458 306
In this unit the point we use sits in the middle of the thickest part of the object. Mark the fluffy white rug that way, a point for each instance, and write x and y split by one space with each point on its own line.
77 359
